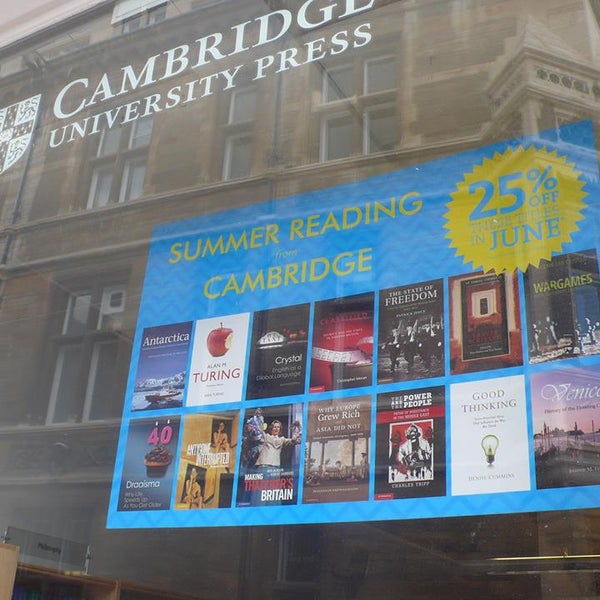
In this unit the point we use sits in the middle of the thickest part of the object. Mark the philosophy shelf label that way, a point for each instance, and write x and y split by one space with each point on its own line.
422 343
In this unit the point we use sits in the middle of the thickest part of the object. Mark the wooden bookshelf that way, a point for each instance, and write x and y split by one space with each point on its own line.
39 583
8 568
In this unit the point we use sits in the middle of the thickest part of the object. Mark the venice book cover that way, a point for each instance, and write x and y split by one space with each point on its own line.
410 458
566 425
161 370
411 332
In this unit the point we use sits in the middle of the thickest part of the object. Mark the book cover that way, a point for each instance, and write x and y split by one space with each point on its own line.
562 301
148 469
161 369
566 425
278 350
342 346
410 455
337 453
485 328
411 332
207 460
218 360
489 437
270 457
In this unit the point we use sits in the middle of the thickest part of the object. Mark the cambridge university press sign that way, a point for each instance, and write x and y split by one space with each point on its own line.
17 123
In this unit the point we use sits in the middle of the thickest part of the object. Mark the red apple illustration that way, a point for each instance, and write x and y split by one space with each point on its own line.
219 340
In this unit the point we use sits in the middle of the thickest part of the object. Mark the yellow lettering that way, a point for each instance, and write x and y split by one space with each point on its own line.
296 228
415 205
312 223
271 234
207 285
365 257
314 275
256 237
274 279
337 270
231 286
175 251
330 223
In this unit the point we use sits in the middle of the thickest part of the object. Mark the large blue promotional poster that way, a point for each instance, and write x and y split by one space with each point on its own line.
423 343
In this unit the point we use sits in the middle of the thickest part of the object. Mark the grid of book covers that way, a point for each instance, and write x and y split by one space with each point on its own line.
439 396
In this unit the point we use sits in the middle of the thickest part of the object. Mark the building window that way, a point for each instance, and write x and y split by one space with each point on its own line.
379 74
102 178
379 128
358 96
239 133
238 156
242 106
337 135
119 169
338 83
132 184
136 14
83 386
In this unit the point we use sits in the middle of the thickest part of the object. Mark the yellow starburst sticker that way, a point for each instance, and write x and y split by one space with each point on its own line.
514 209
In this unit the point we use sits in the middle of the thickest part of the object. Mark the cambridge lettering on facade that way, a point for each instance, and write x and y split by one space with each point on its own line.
83 93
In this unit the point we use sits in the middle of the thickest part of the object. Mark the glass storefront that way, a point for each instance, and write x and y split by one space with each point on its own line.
166 166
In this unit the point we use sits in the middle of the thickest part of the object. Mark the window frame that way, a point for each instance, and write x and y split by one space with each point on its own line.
359 105
228 155
366 130
97 333
324 140
131 148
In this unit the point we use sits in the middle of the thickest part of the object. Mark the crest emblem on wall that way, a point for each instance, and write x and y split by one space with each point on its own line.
16 129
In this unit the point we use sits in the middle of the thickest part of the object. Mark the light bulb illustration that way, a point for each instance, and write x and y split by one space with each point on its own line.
490 444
